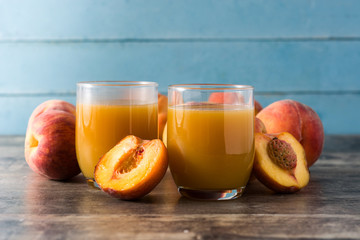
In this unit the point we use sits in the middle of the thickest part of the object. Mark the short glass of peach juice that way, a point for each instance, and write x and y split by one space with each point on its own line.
106 112
210 139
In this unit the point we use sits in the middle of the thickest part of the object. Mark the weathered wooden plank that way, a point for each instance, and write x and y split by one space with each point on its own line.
269 66
204 226
333 172
163 19
32 207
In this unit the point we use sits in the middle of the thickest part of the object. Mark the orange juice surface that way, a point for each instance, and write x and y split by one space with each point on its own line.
101 127
211 147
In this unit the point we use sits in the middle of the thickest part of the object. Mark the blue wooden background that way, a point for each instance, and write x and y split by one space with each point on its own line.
307 50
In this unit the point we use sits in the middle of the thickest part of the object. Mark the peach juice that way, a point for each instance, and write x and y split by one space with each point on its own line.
211 146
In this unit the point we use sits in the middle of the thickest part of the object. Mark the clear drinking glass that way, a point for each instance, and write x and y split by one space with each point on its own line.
106 112
210 139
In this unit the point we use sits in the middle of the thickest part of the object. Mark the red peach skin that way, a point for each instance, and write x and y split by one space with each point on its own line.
298 119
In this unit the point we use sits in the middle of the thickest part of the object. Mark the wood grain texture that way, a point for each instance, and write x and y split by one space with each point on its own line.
32 207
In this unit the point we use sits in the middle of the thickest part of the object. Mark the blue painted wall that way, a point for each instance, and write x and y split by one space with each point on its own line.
304 50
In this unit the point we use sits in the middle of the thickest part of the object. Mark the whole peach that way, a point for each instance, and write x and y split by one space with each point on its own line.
50 140
259 126
231 98
298 119
225 98
258 107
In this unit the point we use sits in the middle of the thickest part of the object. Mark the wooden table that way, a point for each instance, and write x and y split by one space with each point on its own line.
32 207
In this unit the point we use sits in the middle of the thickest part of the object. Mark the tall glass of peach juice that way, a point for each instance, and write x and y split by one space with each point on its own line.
210 139
106 112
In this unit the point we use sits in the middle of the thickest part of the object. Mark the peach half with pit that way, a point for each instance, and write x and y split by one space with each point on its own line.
132 168
259 128
280 162
298 119
50 140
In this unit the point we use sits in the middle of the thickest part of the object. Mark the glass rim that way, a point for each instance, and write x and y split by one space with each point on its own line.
210 86
106 83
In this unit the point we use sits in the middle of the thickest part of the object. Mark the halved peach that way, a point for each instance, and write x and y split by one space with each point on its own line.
280 162
259 127
132 168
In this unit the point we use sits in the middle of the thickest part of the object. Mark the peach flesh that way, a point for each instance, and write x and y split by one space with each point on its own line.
132 168
275 176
